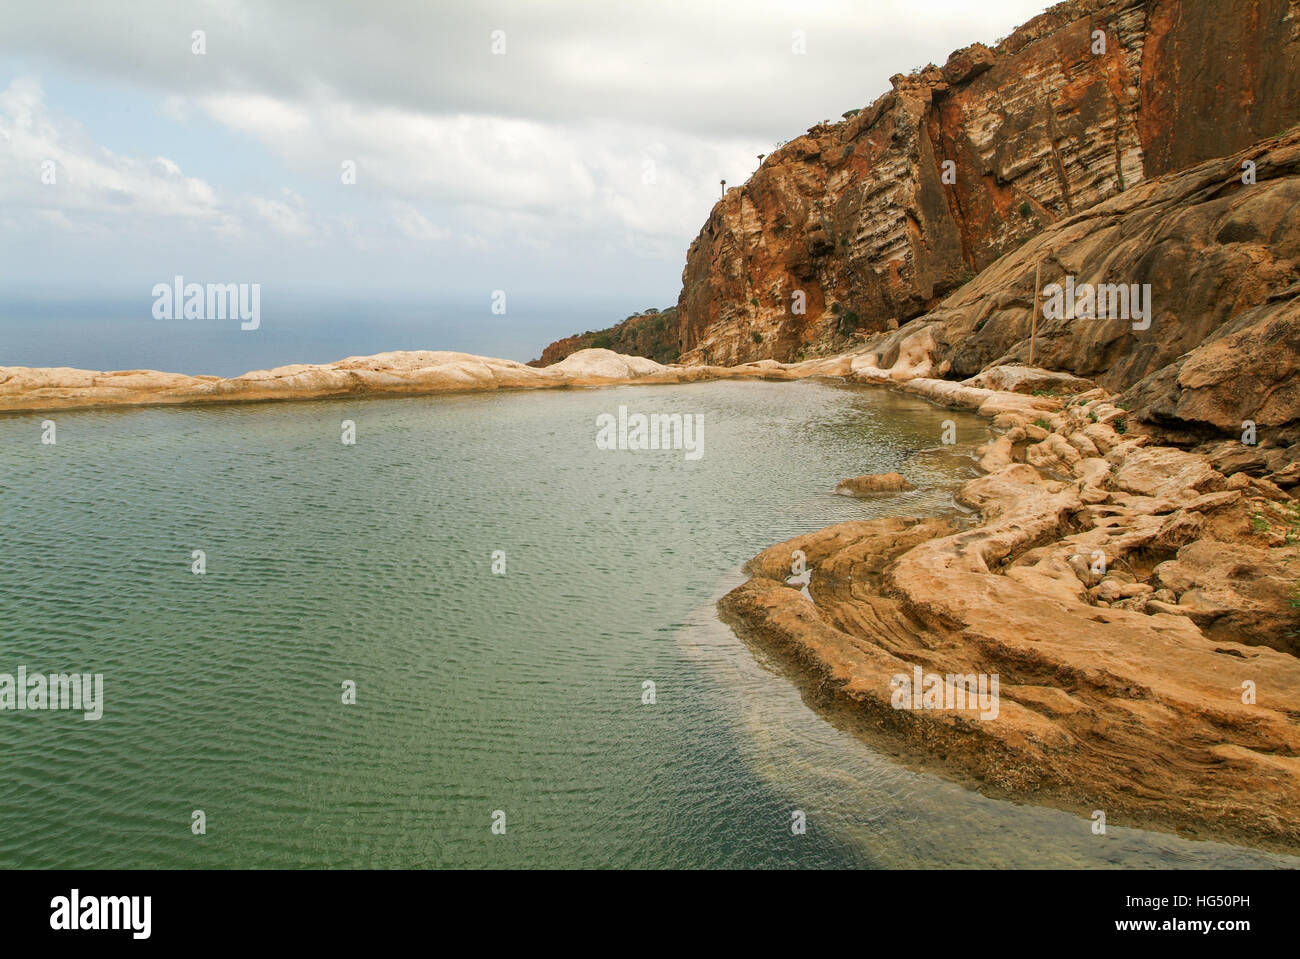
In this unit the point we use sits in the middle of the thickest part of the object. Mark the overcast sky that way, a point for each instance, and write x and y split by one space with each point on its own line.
581 160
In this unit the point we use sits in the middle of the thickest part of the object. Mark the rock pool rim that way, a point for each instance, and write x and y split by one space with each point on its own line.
603 368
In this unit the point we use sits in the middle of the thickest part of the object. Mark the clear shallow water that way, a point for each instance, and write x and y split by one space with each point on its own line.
476 692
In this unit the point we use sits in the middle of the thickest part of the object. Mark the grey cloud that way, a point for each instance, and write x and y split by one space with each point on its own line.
722 68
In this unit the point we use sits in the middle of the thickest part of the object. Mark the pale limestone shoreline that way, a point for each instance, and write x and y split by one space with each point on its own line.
402 373
425 372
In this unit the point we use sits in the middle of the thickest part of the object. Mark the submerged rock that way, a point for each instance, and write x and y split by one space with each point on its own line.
874 483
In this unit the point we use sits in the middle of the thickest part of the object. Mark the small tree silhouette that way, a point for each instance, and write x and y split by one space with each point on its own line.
724 187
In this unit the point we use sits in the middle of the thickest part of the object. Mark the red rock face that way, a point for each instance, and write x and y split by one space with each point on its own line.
870 222
1216 77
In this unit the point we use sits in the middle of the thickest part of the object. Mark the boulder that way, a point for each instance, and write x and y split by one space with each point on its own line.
874 484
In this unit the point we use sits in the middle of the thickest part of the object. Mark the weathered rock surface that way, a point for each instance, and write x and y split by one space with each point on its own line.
1138 615
408 373
385 373
1029 379
1236 591
1223 262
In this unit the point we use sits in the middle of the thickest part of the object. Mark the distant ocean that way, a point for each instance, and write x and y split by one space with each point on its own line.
123 335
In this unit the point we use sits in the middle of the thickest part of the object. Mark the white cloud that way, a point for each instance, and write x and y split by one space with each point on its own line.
710 67
89 182
412 223
287 215
649 182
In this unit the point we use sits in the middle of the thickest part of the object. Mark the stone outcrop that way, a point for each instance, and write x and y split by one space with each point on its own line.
1138 613
1157 159
1155 163
402 373
867 223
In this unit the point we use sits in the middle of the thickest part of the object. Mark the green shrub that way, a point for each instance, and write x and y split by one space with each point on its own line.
756 336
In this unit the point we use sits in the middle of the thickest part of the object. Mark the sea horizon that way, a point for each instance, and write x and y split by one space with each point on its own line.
118 331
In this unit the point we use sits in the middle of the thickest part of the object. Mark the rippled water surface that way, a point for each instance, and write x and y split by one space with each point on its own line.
476 692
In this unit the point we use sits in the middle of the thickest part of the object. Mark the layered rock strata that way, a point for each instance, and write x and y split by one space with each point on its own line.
1217 264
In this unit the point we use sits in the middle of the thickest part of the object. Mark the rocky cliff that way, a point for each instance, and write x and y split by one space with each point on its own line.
862 225
1217 262
652 334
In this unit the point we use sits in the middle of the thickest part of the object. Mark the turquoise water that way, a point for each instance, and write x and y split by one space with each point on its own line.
476 692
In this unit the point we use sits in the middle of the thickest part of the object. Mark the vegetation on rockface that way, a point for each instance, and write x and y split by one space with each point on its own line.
653 334
1288 516
847 321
